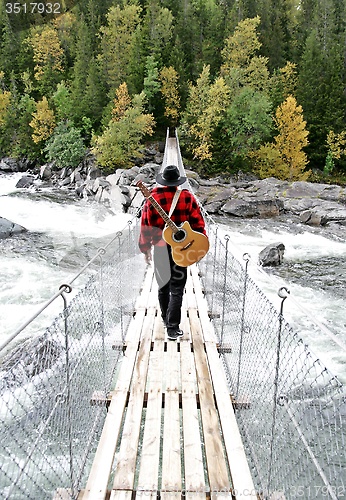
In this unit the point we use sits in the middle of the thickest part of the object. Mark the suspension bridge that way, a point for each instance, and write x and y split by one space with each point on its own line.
100 405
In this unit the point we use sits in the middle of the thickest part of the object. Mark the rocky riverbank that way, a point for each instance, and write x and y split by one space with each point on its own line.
239 196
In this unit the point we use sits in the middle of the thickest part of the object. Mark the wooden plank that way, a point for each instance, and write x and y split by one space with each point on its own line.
223 495
171 151
191 302
96 487
240 472
150 457
142 298
125 470
185 324
121 495
216 463
63 494
171 452
196 495
202 306
144 495
171 495
159 330
193 459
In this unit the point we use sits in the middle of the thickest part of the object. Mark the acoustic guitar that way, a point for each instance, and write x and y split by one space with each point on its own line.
188 246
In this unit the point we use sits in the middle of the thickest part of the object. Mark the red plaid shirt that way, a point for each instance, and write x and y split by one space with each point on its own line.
152 223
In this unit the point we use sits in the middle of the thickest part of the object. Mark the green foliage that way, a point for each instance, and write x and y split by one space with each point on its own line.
121 140
321 93
329 165
65 147
43 121
48 58
283 83
269 163
255 51
241 64
157 31
170 93
247 123
151 82
285 158
204 110
63 102
119 44
15 132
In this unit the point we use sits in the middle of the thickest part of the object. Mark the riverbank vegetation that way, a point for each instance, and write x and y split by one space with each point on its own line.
252 86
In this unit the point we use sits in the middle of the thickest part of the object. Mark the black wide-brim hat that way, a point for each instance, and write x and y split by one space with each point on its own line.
170 176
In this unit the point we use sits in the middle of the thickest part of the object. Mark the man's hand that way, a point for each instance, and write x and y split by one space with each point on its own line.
147 256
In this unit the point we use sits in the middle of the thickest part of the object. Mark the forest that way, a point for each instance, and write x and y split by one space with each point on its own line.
252 85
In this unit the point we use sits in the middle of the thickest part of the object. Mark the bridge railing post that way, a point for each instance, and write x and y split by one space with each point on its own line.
246 257
283 294
68 289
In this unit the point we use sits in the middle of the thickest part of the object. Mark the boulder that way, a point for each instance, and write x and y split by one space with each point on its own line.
241 207
25 181
46 172
8 228
272 255
10 165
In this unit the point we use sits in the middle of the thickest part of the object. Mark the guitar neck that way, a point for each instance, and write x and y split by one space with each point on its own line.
163 214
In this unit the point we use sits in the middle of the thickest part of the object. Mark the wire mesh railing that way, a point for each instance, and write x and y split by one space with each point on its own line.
290 408
49 426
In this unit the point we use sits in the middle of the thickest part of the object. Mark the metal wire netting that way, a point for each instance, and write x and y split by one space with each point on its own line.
290 409
50 424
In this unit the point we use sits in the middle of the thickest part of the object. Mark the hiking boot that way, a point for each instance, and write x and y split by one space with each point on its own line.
174 334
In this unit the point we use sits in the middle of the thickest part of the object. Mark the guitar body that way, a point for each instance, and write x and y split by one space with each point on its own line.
188 246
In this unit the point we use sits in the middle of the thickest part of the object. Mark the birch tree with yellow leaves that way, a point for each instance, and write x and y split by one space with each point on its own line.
206 104
170 93
43 122
121 140
285 159
48 57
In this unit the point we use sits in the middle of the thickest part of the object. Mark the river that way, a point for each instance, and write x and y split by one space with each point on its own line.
64 232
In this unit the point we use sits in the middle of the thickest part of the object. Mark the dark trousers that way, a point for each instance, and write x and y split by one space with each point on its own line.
171 280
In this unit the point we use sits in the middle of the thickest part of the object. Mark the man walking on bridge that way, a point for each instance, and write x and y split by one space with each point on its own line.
171 278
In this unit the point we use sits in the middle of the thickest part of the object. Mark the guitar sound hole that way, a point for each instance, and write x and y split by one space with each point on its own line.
179 235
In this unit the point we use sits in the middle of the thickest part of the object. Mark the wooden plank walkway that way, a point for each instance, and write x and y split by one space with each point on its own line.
170 429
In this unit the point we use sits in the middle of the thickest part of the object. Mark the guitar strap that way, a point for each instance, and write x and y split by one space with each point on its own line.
174 202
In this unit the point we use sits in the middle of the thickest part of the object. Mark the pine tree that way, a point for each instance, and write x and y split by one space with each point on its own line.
81 67
118 44
63 102
8 45
95 93
151 83
276 30
283 83
321 92
157 31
